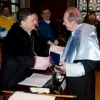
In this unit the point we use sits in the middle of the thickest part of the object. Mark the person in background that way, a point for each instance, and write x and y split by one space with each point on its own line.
94 21
6 20
47 27
80 56
22 50
87 16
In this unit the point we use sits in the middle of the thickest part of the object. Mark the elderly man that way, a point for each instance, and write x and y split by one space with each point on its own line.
80 56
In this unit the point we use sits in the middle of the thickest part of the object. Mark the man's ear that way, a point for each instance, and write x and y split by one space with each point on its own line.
73 23
22 23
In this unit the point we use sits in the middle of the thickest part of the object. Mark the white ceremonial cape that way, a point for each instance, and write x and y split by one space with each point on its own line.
84 45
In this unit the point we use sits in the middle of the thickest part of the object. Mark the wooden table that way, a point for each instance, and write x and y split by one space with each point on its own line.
56 91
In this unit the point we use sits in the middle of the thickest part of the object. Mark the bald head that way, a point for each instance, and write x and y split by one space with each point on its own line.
74 15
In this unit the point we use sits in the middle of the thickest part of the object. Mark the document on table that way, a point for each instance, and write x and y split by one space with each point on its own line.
29 96
38 80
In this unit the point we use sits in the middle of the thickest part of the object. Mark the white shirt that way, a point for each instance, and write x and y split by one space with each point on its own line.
47 21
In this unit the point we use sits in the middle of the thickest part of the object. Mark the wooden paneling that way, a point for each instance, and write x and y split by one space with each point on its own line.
97 93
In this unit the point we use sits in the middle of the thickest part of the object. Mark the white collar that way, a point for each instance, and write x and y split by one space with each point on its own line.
47 21
75 29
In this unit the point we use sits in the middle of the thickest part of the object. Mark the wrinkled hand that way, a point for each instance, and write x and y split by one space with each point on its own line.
49 64
62 67
56 49
42 63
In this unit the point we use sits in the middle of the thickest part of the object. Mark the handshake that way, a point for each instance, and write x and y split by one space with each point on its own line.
42 63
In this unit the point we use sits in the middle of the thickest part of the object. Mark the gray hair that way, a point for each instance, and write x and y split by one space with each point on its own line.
74 15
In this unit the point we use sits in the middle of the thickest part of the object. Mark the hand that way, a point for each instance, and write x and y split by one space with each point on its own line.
41 63
62 67
56 42
49 64
56 49
49 42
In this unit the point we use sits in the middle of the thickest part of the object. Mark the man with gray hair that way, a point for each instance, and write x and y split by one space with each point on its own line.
80 56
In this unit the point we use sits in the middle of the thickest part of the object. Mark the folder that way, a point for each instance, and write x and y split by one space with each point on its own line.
55 58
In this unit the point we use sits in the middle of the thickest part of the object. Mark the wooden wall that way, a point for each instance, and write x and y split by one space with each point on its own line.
56 6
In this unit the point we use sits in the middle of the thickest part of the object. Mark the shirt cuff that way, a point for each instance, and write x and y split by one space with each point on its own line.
75 70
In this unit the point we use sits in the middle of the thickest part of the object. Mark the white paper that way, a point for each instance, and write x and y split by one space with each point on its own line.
47 77
29 96
38 80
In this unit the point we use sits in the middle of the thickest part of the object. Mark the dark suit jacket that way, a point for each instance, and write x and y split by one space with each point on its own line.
18 56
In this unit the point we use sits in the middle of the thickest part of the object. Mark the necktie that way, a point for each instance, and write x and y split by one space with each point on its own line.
67 48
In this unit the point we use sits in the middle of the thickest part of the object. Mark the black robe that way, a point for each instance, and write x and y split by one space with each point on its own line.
84 86
18 57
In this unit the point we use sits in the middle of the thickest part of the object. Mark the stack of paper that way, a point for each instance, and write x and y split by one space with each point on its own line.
38 80
29 96
39 90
